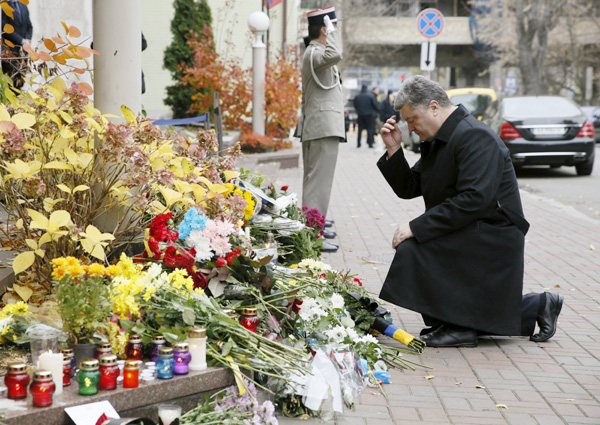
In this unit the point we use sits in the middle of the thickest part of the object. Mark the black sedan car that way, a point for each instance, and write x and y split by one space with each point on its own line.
544 130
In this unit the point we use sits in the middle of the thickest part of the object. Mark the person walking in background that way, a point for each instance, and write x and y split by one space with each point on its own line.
14 59
323 110
447 265
367 109
387 107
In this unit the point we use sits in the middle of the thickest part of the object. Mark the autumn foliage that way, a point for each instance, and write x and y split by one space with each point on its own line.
210 73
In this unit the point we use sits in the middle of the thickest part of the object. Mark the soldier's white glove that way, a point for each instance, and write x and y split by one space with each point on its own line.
328 25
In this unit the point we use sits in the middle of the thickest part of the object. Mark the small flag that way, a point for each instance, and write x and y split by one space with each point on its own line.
270 3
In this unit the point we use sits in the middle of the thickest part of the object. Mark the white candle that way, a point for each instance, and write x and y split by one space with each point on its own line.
168 416
197 346
54 363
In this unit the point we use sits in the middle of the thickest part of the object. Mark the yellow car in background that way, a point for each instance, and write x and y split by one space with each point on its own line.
475 99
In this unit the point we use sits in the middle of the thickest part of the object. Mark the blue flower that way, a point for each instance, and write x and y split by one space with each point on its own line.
192 220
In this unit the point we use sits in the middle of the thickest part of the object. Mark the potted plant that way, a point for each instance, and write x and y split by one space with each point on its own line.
84 302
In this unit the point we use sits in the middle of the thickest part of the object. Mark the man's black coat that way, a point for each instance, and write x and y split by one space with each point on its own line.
465 264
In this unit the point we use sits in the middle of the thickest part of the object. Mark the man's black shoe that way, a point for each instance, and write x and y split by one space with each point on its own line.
446 336
548 318
329 247
358 146
329 234
328 223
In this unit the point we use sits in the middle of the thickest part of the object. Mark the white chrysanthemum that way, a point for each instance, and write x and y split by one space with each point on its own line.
368 339
352 334
336 334
337 301
316 267
201 244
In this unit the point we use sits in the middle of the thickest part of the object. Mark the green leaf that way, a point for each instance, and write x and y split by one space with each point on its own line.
227 347
188 316
170 337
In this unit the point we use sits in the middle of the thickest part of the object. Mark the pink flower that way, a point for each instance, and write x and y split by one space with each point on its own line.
220 245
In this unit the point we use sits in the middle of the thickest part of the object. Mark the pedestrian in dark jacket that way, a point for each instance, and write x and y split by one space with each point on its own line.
460 263
387 107
367 109
14 59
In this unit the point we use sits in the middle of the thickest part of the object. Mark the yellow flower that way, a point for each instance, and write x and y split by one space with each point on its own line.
113 271
199 291
75 270
59 262
96 269
59 272
15 308
72 261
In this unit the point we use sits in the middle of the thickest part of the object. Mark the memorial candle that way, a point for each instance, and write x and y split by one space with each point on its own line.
131 374
66 370
134 349
16 380
42 388
88 377
165 363
197 344
181 357
54 363
109 372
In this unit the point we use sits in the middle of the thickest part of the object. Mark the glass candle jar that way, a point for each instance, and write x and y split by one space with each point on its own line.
69 352
249 319
197 346
131 374
102 349
109 372
66 370
165 363
42 388
88 377
181 358
134 349
158 341
16 380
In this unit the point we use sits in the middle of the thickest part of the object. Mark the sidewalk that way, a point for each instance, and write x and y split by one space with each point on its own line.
556 382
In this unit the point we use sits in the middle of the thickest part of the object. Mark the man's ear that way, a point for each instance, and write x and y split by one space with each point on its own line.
434 106
324 31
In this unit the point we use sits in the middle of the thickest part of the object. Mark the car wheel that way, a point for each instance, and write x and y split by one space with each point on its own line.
585 169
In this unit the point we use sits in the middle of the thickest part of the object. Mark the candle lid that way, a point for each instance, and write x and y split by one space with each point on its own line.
197 333
17 367
89 364
68 351
42 375
108 360
132 365
181 346
135 339
158 339
165 352
249 311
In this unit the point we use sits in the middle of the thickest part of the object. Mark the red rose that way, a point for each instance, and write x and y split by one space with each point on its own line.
284 188
220 262
235 253
199 279
357 280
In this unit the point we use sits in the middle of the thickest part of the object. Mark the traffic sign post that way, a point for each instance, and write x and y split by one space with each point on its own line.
430 23
428 49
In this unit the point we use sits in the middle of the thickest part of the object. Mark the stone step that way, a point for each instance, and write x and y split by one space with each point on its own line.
184 390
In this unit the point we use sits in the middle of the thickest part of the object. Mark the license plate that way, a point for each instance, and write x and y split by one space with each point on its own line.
548 131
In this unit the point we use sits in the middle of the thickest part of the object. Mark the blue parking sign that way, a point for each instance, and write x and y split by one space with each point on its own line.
430 22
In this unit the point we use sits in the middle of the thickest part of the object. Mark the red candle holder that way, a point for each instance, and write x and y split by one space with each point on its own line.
109 372
16 380
67 370
134 349
249 319
131 374
42 388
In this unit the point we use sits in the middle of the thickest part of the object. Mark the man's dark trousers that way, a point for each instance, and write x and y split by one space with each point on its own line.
366 122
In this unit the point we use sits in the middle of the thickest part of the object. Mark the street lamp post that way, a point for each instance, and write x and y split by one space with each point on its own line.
259 24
